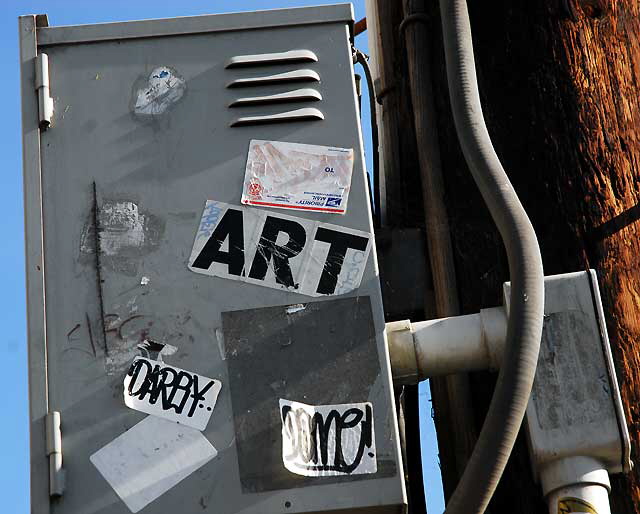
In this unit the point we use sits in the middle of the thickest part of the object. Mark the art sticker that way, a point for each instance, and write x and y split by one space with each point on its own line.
279 251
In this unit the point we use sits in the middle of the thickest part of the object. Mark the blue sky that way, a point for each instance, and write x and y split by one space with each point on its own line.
14 473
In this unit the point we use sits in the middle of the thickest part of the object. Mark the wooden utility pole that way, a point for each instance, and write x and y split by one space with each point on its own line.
560 86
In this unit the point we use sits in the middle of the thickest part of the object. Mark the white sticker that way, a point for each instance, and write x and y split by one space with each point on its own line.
171 393
296 176
165 87
150 458
328 440
279 251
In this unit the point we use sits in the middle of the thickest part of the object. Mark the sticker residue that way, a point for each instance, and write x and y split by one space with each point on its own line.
297 176
125 233
328 440
164 88
171 393
150 458
279 251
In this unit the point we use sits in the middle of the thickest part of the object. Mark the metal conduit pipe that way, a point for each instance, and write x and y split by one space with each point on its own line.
525 316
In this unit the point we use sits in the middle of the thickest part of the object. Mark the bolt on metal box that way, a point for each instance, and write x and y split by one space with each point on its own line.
206 331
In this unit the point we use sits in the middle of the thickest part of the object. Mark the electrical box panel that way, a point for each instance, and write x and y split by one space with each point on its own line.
575 408
206 331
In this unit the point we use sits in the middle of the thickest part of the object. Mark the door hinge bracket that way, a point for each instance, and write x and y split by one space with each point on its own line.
45 102
54 453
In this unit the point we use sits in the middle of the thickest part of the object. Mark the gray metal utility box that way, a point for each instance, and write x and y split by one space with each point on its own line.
206 331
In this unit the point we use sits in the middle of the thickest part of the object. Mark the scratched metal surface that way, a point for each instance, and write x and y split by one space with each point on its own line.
152 177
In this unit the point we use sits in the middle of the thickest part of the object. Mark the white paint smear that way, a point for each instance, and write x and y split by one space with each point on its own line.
150 458
165 87
279 251
297 176
328 440
171 393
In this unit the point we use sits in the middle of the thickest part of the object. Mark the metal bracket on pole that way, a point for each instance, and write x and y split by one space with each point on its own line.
54 453
45 102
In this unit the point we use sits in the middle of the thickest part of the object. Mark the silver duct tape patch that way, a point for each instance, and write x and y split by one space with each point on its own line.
279 251
328 440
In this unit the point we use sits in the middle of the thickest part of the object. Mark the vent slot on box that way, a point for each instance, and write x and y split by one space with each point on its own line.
297 115
291 56
287 76
300 95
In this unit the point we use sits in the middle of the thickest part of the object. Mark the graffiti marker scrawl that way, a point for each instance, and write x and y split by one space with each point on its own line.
328 440
171 393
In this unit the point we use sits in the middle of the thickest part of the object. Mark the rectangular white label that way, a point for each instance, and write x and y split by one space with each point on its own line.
171 393
328 440
297 176
150 458
279 251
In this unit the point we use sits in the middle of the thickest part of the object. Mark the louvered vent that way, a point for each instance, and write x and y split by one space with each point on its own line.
297 95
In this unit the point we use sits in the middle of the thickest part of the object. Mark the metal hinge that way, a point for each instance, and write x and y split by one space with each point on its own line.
54 452
45 102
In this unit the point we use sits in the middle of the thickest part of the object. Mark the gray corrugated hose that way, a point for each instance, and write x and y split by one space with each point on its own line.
512 391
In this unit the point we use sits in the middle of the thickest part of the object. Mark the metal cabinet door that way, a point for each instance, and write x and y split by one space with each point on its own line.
137 167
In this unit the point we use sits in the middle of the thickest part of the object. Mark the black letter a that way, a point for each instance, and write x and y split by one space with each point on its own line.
230 226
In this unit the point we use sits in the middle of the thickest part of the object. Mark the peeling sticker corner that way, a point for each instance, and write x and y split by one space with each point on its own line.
298 307
154 351
163 88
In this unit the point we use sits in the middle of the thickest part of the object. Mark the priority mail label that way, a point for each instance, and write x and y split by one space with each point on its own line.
298 176
279 251
171 393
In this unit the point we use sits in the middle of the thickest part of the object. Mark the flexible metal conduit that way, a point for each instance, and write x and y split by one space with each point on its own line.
524 329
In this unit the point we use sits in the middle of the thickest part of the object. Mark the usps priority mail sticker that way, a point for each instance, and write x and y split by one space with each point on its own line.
297 176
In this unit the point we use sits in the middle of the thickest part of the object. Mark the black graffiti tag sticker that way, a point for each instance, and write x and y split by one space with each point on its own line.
279 251
328 440
172 393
